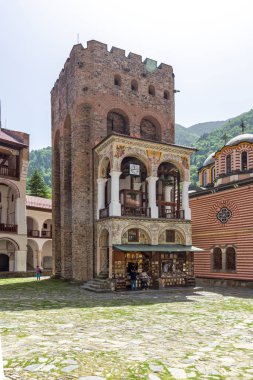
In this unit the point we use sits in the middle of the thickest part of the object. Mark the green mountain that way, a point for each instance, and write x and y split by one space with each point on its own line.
202 128
206 137
183 136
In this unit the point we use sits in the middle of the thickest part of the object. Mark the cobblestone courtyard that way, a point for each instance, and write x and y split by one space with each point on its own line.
53 330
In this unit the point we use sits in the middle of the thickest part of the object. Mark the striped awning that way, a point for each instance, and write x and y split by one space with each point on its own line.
156 248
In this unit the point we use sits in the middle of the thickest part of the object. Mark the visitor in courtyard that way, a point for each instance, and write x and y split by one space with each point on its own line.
38 273
144 280
133 277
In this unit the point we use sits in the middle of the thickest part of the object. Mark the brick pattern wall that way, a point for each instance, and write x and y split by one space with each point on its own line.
208 232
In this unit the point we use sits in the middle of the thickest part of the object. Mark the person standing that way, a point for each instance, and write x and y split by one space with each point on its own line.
38 273
133 277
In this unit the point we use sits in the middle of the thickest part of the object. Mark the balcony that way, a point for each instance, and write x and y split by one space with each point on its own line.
170 214
135 211
5 171
10 228
38 234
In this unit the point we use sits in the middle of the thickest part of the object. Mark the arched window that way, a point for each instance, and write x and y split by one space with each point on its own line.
117 122
217 259
134 85
170 236
244 161
166 95
151 90
133 235
230 259
117 80
204 178
228 164
150 131
213 173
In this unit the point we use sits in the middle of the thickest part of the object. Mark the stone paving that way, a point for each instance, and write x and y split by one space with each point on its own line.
54 330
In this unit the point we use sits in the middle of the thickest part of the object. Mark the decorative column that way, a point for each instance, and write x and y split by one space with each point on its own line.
115 207
185 200
152 196
167 194
101 194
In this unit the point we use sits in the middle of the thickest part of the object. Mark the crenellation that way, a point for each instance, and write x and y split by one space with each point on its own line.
94 45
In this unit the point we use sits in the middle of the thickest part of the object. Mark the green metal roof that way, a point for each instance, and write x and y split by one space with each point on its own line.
156 248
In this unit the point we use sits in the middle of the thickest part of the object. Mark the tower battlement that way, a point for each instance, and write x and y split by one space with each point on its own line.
132 62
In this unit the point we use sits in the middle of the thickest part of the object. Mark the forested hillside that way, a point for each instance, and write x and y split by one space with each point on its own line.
210 142
206 137
41 159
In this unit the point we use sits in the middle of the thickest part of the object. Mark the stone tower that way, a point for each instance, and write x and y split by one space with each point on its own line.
98 93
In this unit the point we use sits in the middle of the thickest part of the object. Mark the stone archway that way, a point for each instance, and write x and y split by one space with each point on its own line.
4 262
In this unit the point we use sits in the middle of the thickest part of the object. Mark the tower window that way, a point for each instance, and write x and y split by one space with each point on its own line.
134 85
166 95
244 161
228 164
151 90
204 178
213 174
117 80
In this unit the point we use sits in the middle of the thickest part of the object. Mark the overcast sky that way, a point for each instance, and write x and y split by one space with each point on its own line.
209 43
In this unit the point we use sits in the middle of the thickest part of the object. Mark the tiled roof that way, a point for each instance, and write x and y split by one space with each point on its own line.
38 202
9 139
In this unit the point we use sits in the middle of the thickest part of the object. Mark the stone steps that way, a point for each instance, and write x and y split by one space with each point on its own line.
99 284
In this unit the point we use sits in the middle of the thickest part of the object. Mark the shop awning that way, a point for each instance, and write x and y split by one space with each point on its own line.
156 248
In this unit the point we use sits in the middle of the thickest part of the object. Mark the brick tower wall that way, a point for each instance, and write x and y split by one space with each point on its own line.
81 99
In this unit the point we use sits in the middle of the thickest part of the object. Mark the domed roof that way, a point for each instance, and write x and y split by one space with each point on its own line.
210 160
244 137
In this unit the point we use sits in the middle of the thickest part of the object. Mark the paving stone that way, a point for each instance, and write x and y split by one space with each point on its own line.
178 373
167 328
69 368
156 368
91 378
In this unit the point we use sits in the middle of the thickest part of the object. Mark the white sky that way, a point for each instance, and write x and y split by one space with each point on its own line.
209 43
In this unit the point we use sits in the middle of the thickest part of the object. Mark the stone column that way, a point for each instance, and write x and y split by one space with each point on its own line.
115 207
167 194
20 261
110 261
152 196
185 200
20 215
101 194
39 260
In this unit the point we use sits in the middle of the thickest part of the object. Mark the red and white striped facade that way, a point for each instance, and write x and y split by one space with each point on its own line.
230 193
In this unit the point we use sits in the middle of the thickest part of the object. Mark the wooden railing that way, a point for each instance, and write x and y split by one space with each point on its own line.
171 214
13 228
135 211
37 234
46 234
6 171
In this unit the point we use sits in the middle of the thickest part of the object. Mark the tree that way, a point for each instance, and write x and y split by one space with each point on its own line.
37 186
